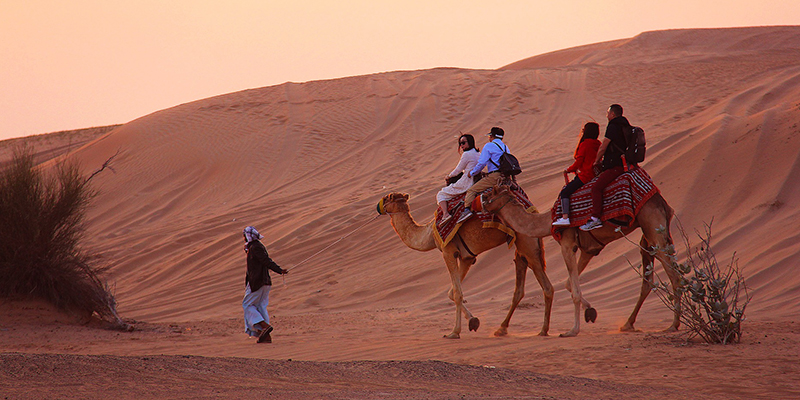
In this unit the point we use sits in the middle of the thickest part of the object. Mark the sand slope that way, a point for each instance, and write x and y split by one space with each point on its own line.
306 164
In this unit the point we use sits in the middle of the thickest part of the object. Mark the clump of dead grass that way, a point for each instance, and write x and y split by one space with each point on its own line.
41 226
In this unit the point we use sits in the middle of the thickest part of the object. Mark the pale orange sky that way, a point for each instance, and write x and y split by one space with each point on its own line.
82 63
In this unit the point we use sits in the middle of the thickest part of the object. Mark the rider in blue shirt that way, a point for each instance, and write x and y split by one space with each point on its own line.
490 158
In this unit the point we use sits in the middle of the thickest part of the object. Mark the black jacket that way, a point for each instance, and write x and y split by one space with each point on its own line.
613 155
258 266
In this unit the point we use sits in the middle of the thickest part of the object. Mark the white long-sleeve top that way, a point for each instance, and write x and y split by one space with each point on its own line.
468 161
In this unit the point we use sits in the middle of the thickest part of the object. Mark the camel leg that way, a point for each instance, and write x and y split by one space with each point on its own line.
547 292
455 294
581 266
463 273
674 279
465 264
519 293
661 240
647 285
537 265
654 219
590 314
583 261
568 249
458 269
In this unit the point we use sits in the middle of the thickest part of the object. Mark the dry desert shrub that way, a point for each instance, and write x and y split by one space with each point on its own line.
713 296
41 226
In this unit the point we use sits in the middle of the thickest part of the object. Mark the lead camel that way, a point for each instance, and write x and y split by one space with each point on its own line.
458 257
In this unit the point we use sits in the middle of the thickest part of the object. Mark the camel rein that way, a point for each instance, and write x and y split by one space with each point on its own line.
510 199
332 244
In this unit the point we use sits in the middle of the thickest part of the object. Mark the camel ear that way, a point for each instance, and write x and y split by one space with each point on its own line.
405 196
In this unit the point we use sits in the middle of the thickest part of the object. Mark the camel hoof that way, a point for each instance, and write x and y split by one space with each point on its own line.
568 334
671 329
452 336
474 323
628 328
543 333
501 332
590 314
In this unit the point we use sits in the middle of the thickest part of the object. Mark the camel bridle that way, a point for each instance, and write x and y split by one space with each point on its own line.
491 201
382 207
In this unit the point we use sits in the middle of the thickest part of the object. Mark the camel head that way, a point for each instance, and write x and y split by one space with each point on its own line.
393 203
496 198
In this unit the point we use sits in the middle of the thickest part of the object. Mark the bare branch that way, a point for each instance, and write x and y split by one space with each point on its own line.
106 164
715 295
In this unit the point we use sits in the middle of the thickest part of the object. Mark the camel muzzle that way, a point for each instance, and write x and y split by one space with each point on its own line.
381 210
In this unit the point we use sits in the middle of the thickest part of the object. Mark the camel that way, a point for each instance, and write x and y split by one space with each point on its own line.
460 254
654 218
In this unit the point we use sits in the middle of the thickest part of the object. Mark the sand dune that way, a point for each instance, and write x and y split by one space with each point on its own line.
306 163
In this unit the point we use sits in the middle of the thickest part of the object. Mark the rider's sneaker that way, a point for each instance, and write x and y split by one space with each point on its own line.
593 223
464 216
561 222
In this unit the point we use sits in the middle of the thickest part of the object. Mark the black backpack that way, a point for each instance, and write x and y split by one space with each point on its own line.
508 166
635 144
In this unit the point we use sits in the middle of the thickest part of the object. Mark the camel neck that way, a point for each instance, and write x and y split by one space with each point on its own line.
535 225
414 236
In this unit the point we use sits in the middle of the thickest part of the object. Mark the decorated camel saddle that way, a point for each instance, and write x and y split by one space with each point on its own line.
445 232
622 200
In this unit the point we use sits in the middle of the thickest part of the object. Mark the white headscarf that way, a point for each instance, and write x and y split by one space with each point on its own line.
250 234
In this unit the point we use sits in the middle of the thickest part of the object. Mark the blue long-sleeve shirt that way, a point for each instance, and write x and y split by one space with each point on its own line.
490 157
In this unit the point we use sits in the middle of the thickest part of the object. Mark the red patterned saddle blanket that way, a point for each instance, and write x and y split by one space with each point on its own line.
445 232
622 200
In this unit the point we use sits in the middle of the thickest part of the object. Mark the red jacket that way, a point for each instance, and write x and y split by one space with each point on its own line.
584 159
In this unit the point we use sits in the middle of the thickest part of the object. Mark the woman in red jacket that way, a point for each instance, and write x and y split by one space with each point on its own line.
584 155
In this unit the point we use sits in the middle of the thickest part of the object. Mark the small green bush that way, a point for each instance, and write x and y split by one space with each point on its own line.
41 225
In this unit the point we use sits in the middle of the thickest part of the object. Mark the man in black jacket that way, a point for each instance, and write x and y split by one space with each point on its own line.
609 159
257 286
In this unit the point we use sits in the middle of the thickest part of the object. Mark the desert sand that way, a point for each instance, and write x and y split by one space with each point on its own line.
306 164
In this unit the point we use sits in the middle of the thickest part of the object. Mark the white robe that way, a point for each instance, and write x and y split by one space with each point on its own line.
255 308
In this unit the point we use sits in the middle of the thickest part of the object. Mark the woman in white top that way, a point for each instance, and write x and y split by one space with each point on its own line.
469 158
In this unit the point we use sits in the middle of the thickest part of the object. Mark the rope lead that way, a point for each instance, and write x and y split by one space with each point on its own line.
332 244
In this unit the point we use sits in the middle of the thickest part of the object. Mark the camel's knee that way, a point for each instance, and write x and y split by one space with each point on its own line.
457 298
549 292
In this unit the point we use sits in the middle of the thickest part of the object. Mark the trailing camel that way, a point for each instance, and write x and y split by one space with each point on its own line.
459 256
653 218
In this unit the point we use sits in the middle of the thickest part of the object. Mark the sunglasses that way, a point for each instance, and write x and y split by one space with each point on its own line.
462 143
